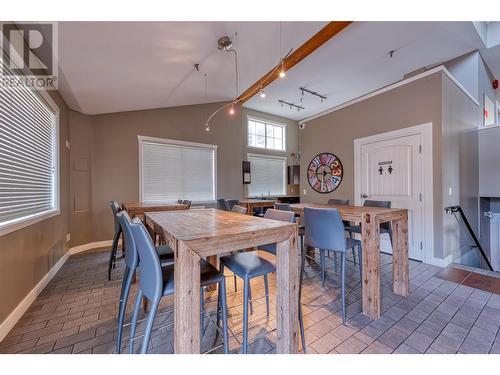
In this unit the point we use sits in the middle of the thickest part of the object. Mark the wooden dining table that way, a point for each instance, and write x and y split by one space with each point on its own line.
196 234
370 219
137 209
250 204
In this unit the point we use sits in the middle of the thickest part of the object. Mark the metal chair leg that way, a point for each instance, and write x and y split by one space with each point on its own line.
127 282
360 257
301 317
112 255
202 311
133 326
222 295
322 261
353 256
342 259
246 288
266 287
149 326
335 261
250 297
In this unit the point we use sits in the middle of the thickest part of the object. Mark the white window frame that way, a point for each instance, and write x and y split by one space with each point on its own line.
142 139
29 220
265 156
267 122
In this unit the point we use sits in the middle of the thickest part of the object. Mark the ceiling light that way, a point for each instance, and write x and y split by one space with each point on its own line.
207 127
231 110
262 94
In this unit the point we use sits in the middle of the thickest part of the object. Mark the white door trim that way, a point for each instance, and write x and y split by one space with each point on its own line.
425 130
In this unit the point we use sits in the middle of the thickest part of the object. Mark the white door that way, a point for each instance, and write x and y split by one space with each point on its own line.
391 169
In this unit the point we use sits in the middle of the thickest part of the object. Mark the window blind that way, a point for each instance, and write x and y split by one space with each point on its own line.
28 156
267 175
172 171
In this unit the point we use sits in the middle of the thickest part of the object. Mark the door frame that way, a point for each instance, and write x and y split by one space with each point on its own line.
425 130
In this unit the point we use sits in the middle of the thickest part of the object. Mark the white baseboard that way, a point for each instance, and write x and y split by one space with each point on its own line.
440 262
20 309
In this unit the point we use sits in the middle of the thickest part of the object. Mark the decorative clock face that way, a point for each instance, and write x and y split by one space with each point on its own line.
325 173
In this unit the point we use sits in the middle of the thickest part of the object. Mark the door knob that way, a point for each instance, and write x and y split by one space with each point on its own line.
364 196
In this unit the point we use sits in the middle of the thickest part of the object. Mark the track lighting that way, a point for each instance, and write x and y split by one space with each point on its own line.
207 127
282 71
262 93
313 93
290 105
231 110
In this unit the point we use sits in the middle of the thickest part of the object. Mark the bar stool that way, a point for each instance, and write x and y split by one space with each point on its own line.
249 265
325 231
115 208
157 281
384 227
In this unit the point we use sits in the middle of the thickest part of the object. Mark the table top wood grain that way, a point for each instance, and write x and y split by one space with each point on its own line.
220 231
139 208
355 213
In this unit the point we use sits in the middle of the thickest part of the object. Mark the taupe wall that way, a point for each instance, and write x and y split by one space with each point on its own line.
460 164
292 142
26 255
110 143
412 104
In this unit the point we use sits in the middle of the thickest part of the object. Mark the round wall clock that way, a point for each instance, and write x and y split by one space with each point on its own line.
325 173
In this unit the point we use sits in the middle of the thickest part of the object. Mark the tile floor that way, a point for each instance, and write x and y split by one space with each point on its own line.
76 313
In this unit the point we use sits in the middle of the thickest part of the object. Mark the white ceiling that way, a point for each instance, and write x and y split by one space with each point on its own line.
120 66
357 62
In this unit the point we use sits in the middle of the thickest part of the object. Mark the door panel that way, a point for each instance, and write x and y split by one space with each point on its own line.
392 170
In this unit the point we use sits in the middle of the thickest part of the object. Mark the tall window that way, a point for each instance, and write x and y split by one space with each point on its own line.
268 175
171 170
263 134
28 157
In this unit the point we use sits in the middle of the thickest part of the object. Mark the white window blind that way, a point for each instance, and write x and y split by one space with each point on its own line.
268 175
174 170
28 157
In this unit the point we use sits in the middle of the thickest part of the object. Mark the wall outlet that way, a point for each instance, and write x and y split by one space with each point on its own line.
305 191
68 237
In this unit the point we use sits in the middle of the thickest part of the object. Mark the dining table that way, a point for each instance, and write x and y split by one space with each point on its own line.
370 219
197 234
250 204
137 209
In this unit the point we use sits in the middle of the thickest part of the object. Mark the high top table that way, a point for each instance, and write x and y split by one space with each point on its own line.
370 219
250 204
139 208
196 234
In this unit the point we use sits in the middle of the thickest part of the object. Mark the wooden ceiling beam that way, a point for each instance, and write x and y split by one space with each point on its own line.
311 45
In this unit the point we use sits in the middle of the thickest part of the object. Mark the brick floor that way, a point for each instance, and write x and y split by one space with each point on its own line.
76 313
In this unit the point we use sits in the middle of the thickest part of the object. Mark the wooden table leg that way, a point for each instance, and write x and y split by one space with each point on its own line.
370 236
287 283
249 209
400 267
186 301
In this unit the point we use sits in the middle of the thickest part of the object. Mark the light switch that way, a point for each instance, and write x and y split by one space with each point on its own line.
305 191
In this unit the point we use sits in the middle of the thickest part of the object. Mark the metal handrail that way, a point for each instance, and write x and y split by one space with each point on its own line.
457 209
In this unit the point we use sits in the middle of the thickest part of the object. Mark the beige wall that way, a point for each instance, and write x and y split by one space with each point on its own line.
26 255
412 104
292 142
110 143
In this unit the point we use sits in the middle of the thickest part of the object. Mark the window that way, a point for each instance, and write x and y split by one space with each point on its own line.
263 134
171 170
268 175
29 183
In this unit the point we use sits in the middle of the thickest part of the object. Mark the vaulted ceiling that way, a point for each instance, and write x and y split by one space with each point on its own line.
121 66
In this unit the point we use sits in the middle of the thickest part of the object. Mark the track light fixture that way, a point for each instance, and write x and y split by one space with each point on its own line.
303 90
291 105
262 93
